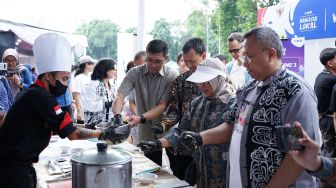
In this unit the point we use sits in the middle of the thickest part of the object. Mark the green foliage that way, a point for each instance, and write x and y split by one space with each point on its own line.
132 30
102 38
196 24
229 16
170 33
267 3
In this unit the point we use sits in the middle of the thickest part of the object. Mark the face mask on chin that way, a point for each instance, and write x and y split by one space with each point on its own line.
57 90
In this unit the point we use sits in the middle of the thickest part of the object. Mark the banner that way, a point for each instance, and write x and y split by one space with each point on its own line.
293 55
311 19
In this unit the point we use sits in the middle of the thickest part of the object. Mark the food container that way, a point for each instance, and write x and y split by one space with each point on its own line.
101 167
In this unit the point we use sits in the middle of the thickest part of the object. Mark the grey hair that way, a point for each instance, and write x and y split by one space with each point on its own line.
235 36
267 37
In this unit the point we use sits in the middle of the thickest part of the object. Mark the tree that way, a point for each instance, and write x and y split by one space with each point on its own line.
164 30
102 38
132 30
267 3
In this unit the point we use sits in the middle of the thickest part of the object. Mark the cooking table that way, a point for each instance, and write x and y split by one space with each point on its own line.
140 164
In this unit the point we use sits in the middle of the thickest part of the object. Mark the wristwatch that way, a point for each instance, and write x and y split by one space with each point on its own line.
142 119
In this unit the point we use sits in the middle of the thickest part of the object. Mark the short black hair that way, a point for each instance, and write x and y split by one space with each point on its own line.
101 68
221 57
194 43
129 66
179 56
157 46
139 55
327 54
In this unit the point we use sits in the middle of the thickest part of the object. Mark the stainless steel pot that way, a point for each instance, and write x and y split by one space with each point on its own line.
102 168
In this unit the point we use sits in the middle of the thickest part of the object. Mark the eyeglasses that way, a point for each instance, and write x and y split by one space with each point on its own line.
247 58
153 61
236 50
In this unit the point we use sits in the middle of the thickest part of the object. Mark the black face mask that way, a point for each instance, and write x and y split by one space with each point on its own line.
58 90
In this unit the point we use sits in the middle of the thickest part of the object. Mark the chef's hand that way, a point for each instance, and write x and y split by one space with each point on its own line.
157 128
191 140
117 120
150 146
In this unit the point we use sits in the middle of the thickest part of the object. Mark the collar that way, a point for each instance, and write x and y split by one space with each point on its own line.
161 72
326 71
40 84
271 78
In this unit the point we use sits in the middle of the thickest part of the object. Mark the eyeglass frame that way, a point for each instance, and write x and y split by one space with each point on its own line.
235 50
247 59
154 61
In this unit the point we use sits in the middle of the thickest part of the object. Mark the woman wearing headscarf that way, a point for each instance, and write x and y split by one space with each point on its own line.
18 75
209 110
99 94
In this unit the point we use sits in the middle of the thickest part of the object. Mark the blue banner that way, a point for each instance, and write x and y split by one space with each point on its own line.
311 19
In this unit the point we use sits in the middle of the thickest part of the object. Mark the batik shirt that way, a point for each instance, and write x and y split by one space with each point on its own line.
262 105
183 93
205 113
94 103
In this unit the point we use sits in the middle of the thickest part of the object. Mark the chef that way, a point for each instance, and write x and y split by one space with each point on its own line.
35 115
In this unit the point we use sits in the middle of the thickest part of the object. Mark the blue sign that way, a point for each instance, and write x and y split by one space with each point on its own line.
311 19
315 19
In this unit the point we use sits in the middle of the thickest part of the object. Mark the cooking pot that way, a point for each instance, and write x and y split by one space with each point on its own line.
98 168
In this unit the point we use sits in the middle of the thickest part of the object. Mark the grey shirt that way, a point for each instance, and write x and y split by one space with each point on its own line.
149 91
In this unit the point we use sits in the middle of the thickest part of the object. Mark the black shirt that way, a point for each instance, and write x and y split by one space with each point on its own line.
323 87
29 124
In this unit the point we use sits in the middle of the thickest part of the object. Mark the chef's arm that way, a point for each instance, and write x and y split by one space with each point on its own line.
82 133
118 103
287 173
218 135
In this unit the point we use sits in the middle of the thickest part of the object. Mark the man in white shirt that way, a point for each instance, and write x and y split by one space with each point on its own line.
81 81
235 68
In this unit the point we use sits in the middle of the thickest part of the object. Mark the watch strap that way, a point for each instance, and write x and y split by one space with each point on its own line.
142 119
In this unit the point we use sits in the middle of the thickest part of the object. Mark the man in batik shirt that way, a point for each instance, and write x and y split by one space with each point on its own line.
183 93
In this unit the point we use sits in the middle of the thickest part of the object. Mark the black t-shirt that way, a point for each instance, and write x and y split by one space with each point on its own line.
323 87
29 124
333 100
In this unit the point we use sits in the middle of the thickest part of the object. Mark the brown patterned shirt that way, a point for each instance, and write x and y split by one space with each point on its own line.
183 93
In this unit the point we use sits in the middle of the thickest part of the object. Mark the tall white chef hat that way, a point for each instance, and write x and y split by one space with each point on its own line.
52 53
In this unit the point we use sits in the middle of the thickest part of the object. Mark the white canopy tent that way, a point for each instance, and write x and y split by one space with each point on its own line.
30 33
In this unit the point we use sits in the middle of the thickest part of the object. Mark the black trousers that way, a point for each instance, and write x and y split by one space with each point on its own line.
328 136
178 164
17 175
156 157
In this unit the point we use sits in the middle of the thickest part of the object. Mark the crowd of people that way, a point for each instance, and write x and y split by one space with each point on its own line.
216 119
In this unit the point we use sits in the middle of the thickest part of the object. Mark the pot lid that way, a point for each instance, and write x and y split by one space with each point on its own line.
101 156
